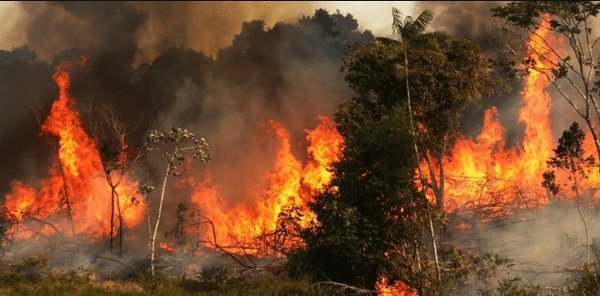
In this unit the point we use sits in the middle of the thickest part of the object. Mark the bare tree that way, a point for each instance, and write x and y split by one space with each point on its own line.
109 133
176 141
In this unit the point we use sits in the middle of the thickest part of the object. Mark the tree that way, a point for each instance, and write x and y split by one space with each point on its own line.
574 74
172 140
373 215
569 157
370 217
109 133
445 75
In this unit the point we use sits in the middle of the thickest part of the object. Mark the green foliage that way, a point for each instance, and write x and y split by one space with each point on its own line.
513 287
445 75
460 267
408 28
176 136
34 277
370 216
569 156
588 281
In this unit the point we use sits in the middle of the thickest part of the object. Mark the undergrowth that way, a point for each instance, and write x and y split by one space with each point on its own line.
34 277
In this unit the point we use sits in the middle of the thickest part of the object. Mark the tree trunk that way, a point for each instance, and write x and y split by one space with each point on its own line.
112 216
120 227
587 242
423 181
153 239
67 201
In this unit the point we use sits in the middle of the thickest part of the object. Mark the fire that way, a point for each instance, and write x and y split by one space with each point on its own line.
291 187
74 197
324 149
398 289
484 173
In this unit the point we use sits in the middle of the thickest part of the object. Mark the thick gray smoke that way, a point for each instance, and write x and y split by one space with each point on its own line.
147 63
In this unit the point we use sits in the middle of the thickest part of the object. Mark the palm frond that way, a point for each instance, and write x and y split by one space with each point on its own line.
408 27
398 21
420 24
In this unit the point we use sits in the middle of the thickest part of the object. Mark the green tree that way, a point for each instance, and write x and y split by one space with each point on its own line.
570 157
172 144
445 75
574 74
370 217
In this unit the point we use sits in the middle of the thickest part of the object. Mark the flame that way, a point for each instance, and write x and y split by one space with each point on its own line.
167 246
291 186
75 187
399 288
484 173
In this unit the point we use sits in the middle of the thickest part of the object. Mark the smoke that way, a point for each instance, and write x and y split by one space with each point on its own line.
545 243
151 62
205 26
152 27
290 73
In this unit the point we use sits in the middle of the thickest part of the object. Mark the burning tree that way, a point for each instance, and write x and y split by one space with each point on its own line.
109 133
174 140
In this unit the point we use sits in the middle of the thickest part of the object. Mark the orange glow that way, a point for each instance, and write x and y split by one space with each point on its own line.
77 176
167 246
399 288
291 184
484 173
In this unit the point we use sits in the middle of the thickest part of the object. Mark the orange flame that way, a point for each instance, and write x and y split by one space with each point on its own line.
484 172
399 288
290 185
75 185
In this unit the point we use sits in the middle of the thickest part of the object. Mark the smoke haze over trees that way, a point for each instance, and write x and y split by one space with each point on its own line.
289 73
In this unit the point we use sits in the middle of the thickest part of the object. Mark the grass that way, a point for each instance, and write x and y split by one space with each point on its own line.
35 277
